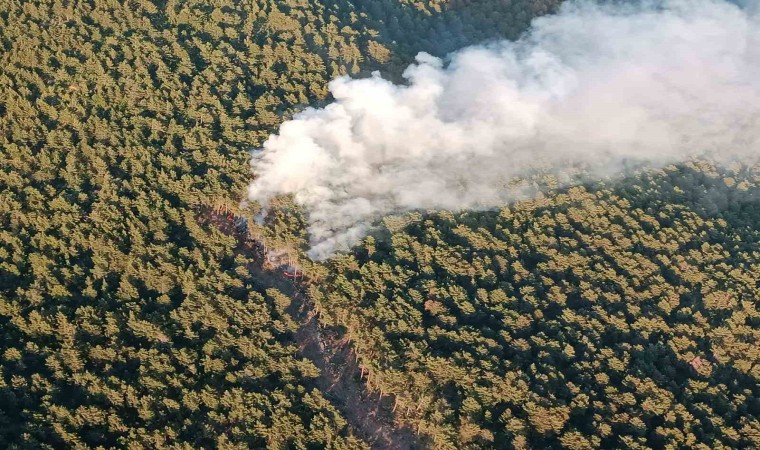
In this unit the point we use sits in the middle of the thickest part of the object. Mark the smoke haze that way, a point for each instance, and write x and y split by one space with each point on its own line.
596 86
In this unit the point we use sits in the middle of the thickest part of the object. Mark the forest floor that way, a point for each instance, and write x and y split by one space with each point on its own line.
369 416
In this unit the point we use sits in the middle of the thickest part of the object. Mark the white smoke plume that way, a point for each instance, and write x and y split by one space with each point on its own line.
592 85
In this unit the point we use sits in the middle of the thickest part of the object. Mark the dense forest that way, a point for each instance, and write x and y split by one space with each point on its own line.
595 317
126 319
620 316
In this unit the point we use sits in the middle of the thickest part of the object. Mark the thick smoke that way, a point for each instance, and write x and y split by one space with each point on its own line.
595 86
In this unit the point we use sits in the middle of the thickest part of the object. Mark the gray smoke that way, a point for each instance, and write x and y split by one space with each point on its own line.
596 86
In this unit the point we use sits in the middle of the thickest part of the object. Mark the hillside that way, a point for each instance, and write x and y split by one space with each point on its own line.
126 318
136 312
598 316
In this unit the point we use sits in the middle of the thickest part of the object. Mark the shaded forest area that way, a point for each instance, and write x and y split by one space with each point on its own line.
624 316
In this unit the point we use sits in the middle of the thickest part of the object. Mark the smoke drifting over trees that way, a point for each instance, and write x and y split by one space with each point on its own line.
593 86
